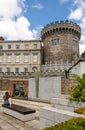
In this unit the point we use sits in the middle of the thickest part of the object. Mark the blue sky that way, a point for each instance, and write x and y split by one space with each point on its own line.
42 12
24 19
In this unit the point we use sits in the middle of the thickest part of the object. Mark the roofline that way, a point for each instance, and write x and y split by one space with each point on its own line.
8 41
80 60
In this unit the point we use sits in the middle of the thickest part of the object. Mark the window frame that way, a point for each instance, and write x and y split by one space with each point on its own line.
1 58
9 46
17 58
55 42
1 47
9 57
16 70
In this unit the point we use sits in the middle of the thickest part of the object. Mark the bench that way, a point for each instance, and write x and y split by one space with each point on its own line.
19 112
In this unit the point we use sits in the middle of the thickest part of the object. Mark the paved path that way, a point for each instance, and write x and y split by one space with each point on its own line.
10 123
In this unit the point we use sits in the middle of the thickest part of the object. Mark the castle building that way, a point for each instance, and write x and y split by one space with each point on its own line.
20 56
61 42
19 59
61 46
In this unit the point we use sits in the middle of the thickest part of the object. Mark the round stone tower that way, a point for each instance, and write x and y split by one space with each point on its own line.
61 42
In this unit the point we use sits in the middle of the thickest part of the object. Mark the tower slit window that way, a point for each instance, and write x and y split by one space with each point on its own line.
0 69
25 69
35 58
17 46
8 70
35 46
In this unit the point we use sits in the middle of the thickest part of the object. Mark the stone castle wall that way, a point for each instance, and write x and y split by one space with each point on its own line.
67 35
66 85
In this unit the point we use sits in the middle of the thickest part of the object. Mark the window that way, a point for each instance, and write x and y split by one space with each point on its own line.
0 69
9 46
55 42
75 42
25 69
34 58
9 58
1 47
17 58
17 70
35 46
26 46
17 46
1 58
26 58
8 70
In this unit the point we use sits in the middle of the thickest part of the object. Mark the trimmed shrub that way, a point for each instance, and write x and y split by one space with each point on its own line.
80 110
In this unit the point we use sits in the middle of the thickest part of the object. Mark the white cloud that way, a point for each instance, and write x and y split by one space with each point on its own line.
9 8
37 6
78 14
82 48
17 30
13 25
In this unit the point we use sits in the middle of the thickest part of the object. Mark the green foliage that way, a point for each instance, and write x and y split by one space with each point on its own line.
78 91
80 110
72 124
37 75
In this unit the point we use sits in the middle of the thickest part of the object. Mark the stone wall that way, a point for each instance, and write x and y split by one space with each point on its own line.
8 85
66 84
49 87
50 116
60 111
67 48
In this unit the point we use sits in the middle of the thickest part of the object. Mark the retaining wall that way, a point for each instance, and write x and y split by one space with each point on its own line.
49 87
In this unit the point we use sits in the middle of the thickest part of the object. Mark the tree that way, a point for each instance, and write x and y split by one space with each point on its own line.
78 91
37 75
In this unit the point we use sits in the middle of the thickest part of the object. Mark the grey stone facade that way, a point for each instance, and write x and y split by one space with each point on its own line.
19 57
59 51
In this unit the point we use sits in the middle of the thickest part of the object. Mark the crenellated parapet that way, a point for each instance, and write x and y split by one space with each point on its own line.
61 27
61 42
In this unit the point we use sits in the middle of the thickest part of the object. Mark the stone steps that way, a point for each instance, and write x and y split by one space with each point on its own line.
31 104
